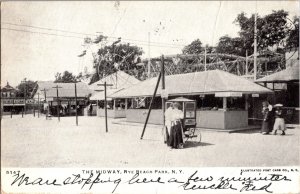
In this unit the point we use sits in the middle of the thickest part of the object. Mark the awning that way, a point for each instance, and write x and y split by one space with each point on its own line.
197 83
287 75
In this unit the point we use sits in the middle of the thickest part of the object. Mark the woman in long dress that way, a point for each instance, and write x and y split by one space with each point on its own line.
266 119
175 139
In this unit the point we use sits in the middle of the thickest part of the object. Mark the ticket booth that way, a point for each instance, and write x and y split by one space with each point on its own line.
189 109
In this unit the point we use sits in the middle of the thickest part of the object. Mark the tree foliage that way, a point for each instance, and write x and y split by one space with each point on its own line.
194 48
26 88
271 30
115 57
293 38
66 77
230 45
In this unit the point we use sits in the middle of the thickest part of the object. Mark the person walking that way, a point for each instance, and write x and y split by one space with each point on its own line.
279 124
266 118
176 139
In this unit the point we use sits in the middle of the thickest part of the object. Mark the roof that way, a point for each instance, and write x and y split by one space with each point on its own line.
206 82
119 80
289 74
67 90
100 95
8 88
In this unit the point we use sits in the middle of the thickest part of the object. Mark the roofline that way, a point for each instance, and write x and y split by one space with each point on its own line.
196 93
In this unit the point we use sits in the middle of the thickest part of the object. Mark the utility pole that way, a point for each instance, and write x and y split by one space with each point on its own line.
25 92
246 62
105 103
205 58
38 104
58 116
162 69
255 43
149 60
76 104
45 95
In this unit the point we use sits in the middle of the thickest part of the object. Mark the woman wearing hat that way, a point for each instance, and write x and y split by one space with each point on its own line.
279 124
266 118
175 139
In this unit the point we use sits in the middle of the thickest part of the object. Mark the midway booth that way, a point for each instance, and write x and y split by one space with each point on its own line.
116 108
222 99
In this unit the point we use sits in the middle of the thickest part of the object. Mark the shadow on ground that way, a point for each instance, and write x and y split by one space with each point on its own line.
190 144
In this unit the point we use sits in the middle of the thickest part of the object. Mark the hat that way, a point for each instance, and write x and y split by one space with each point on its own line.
278 105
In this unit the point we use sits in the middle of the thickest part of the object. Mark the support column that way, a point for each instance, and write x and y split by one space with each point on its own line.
224 102
126 103
246 101
114 104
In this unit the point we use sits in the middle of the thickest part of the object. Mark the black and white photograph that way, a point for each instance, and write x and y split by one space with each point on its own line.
145 89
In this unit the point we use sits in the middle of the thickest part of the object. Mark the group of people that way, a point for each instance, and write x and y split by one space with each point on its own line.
273 119
174 130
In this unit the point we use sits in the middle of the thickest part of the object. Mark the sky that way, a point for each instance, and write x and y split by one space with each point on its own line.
28 51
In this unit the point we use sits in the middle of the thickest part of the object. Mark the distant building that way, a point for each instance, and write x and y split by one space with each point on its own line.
8 91
9 100
66 97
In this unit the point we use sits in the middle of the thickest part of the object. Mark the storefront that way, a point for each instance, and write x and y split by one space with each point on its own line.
222 98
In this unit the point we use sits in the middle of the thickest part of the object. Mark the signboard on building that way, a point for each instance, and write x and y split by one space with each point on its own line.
164 93
255 95
228 94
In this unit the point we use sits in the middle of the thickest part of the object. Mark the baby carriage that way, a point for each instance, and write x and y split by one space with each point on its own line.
190 132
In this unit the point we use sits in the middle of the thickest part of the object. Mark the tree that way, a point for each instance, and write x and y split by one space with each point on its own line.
67 77
194 48
230 45
115 57
293 38
271 29
26 87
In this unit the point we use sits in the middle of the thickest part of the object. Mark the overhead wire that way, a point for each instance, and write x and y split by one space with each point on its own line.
80 33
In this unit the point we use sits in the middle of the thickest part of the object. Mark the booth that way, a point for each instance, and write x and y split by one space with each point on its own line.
221 99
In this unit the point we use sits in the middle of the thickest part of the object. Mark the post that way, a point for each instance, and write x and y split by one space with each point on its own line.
13 108
205 58
11 111
38 105
149 60
150 107
246 101
57 100
246 62
126 103
224 103
163 86
114 104
105 106
25 97
76 105
255 46
22 112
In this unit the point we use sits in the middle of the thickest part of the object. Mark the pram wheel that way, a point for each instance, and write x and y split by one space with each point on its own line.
193 135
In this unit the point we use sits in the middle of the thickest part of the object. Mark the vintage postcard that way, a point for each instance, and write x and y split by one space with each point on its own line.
150 97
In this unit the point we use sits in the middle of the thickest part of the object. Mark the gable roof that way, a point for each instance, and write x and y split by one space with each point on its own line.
67 90
205 82
119 80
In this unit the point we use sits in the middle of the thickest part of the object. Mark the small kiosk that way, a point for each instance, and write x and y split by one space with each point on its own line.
189 109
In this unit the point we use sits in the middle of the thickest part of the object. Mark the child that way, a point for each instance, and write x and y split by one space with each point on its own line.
279 120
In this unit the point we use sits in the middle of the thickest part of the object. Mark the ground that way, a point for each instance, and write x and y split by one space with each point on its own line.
37 142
